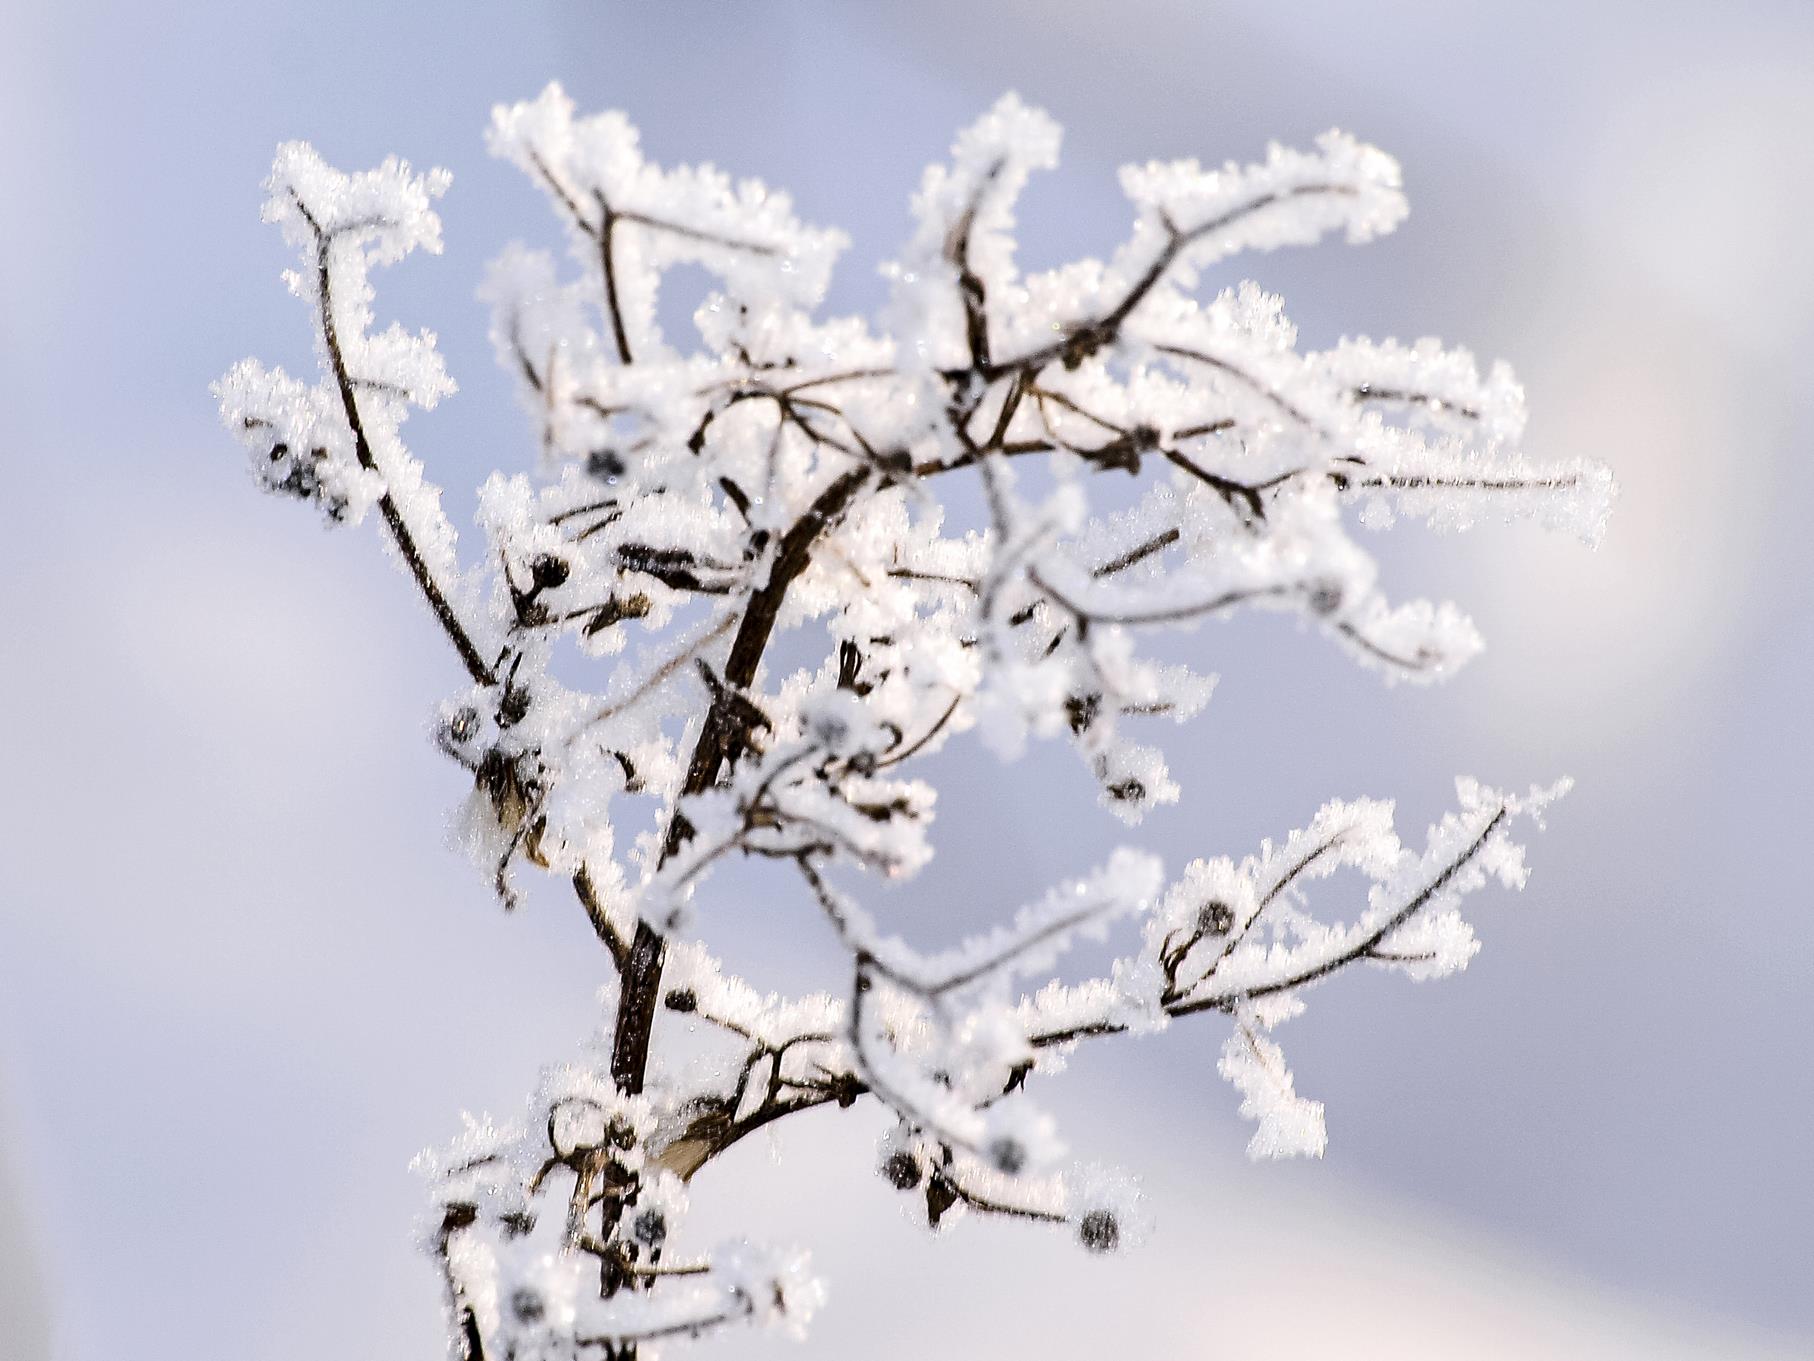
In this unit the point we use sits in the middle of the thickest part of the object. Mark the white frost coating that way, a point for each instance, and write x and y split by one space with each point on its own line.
1417 642
1108 1208
1437 386
1151 455
1038 934
388 209
593 168
339 444
970 199
1289 1125
1292 198
296 439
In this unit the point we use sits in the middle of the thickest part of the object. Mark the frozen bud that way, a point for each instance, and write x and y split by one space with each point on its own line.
513 707
605 463
1215 918
461 734
1082 710
1007 1154
830 729
290 474
548 571
841 723
1127 791
526 1305
1020 1141
1325 597
1107 1209
1100 1231
650 1228
681 999
901 1170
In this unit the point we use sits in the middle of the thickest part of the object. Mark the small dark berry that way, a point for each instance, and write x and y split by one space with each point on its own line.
1008 1155
650 1227
681 999
1082 711
526 1305
901 1170
513 707
548 571
1215 919
605 463
1326 597
1100 1231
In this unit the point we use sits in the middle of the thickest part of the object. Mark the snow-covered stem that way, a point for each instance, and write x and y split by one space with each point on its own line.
784 476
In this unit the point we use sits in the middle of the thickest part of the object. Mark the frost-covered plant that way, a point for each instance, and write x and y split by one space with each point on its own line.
783 475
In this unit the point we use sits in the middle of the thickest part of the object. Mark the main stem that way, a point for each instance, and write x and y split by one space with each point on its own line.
719 736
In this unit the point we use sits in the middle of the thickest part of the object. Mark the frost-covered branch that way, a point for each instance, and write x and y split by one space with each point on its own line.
343 223
628 728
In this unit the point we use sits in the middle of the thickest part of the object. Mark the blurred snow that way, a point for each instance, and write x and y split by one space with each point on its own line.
242 982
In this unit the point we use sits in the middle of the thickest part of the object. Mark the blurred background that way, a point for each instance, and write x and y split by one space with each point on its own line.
242 980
